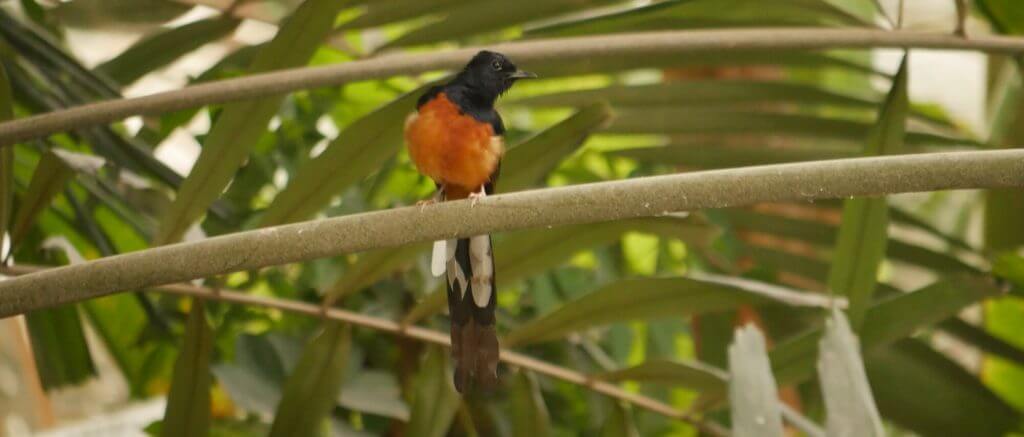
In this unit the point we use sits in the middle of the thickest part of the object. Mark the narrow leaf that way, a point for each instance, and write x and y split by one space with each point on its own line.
6 159
188 401
357 152
619 423
694 375
925 392
529 413
860 247
58 344
312 389
650 298
753 397
887 321
160 49
435 401
528 163
848 401
47 181
240 124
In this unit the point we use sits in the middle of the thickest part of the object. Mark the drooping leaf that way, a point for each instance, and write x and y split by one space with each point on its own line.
753 397
924 391
529 413
6 158
650 298
683 14
886 321
162 48
370 267
58 344
47 181
863 234
188 400
691 121
713 156
358 151
619 423
983 340
240 124
850 407
694 375
528 163
313 386
374 392
434 400
378 13
704 94
471 18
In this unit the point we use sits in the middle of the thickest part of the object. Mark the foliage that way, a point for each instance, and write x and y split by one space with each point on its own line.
649 304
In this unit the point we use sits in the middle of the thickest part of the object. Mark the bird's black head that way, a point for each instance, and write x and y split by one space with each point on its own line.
489 74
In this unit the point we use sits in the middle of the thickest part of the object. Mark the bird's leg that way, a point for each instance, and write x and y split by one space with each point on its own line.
476 196
961 18
438 196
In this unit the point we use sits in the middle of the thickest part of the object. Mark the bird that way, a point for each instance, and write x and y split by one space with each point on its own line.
454 137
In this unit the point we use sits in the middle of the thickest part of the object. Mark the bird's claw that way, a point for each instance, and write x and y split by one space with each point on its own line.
475 197
425 203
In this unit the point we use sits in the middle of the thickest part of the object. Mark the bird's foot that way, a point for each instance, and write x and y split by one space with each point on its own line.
475 197
425 203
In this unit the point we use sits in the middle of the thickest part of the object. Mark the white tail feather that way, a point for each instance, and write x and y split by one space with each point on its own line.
439 258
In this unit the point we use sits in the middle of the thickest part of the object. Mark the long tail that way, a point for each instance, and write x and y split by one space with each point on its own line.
471 302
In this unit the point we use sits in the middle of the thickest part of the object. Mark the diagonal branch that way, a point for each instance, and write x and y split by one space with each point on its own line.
425 335
533 53
579 204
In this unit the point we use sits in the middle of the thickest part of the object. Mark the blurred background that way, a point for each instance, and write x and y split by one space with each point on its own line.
104 367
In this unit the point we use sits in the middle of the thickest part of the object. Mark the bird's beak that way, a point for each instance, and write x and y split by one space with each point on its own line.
519 74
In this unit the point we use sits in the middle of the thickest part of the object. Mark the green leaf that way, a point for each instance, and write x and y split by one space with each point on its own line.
47 181
753 398
651 298
188 401
688 14
703 94
313 387
886 321
379 13
844 385
1009 266
690 121
694 375
241 124
358 151
529 413
471 18
794 59
58 344
521 254
435 401
860 246
6 157
925 392
713 156
374 392
530 162
1006 15
619 423
983 340
162 48
370 267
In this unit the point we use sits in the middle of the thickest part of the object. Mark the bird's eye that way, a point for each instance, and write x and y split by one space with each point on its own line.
496 65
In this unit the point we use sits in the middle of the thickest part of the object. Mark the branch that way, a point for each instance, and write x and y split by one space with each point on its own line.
578 204
424 335
532 53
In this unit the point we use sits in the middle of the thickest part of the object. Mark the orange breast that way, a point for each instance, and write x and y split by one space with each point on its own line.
450 147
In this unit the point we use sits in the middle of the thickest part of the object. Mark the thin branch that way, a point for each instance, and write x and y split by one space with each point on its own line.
578 204
420 334
533 53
